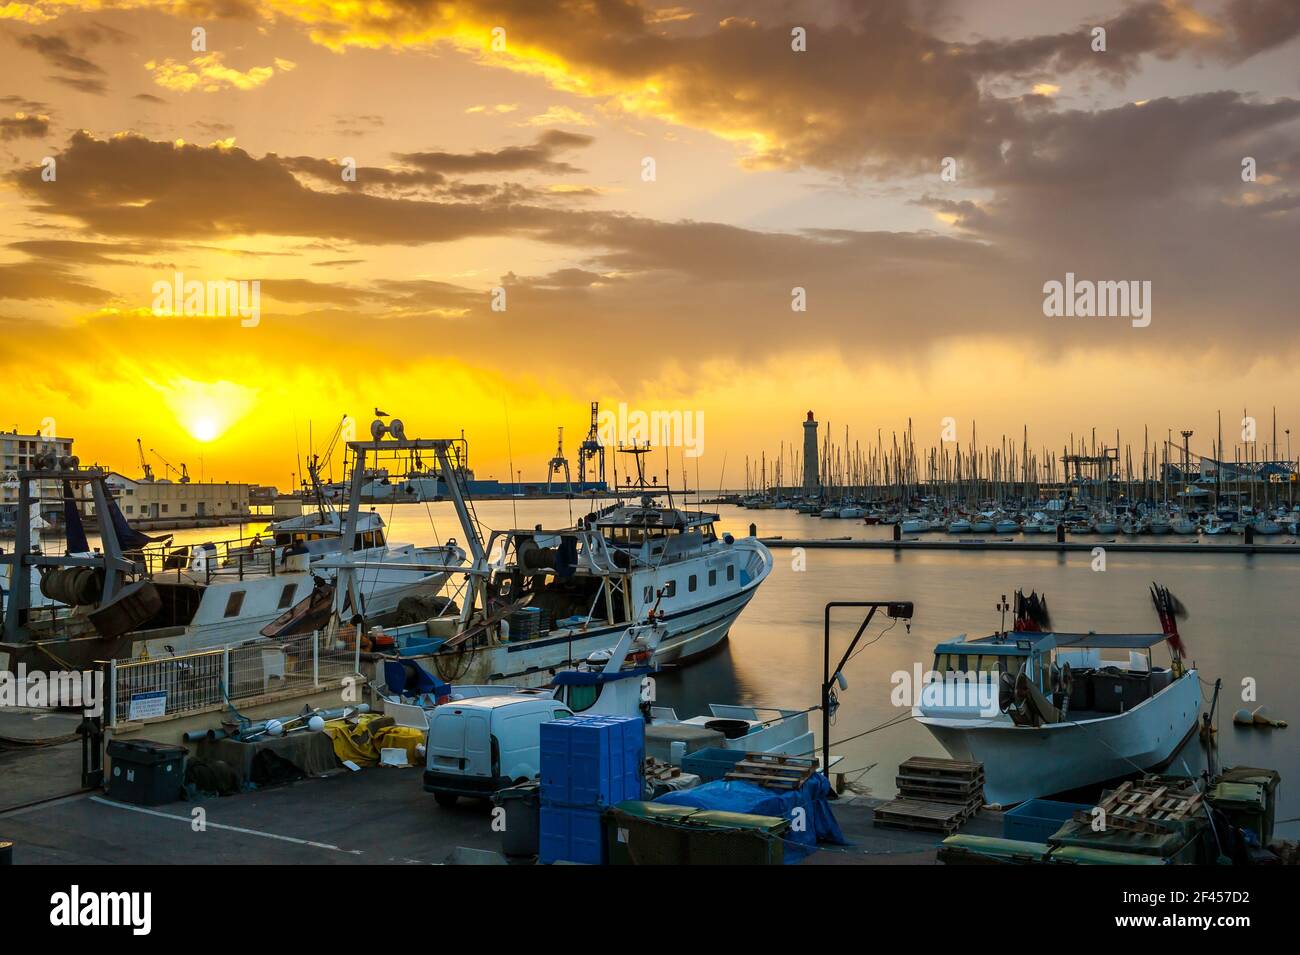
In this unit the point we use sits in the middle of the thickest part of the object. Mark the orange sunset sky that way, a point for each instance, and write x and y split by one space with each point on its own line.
518 164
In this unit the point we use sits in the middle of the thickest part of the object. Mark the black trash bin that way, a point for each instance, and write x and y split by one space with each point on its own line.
523 805
146 773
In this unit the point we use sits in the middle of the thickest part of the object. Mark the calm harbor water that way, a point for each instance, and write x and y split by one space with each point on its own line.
1242 625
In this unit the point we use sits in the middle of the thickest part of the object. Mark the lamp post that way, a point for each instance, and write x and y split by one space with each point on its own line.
897 609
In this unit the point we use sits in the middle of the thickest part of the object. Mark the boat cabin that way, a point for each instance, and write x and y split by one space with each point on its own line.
1055 675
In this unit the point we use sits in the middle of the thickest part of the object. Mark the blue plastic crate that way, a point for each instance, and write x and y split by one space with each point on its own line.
592 761
571 834
1036 820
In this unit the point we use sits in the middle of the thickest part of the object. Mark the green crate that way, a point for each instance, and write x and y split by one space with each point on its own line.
648 833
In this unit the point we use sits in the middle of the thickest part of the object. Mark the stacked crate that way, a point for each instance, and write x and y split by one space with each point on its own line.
934 794
588 763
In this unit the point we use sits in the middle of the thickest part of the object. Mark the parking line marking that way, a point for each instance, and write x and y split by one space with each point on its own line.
218 825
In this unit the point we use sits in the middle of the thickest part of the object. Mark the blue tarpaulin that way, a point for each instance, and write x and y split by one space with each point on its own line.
755 800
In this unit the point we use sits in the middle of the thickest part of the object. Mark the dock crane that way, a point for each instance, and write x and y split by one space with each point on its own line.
145 467
182 473
591 449
556 463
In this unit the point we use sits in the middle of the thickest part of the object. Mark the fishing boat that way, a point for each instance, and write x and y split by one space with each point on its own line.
534 600
1006 525
1046 713
914 525
138 594
619 681
960 526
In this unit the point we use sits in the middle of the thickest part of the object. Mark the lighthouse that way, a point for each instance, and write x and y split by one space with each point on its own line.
811 485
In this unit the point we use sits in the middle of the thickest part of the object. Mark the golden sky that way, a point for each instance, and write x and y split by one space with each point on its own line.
503 145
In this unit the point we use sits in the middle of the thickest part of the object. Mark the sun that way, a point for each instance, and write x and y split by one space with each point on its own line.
204 429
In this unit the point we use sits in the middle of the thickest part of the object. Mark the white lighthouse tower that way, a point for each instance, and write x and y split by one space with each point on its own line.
811 485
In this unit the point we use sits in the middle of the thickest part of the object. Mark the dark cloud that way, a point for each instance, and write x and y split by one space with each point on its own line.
59 53
536 157
35 281
23 126
82 84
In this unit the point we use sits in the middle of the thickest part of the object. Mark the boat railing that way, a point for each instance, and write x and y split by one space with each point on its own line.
235 558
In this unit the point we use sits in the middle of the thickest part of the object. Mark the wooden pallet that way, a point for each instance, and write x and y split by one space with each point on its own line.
920 814
931 767
1151 806
774 770
909 789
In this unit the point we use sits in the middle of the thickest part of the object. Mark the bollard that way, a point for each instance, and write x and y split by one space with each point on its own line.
898 530
753 530
1060 533
91 731
1250 533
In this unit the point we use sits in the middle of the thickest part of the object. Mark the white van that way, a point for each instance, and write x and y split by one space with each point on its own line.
481 745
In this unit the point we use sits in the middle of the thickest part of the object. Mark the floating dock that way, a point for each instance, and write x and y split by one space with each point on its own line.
1009 545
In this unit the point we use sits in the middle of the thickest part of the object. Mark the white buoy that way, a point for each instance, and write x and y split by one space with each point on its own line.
315 724
274 728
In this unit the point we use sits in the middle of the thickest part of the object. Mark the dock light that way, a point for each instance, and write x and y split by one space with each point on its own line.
900 610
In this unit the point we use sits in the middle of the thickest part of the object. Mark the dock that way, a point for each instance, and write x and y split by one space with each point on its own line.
377 816
1009 545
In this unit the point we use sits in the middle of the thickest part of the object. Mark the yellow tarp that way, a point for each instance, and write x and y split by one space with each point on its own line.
372 732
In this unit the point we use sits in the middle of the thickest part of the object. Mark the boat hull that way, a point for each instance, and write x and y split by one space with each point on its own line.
1031 762
532 663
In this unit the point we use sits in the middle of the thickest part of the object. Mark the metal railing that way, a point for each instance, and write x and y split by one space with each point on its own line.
166 686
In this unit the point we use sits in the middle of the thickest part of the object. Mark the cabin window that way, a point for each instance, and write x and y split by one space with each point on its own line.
164 508
649 595
670 589
184 508
130 508
691 583
235 603
582 697
713 577
731 571
286 596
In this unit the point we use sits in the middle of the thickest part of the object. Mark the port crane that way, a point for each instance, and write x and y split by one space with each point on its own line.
591 450
182 473
145 467
557 463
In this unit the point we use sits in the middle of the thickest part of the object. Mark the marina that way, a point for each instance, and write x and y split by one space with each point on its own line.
589 616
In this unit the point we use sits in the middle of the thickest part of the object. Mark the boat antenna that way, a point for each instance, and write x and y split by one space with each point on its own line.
510 459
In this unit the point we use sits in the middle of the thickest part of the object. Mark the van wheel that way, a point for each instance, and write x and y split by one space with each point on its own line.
445 800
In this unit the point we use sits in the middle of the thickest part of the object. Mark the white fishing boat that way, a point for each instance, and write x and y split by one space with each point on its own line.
620 682
142 595
959 526
983 524
536 599
913 525
1006 525
1046 713
852 512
